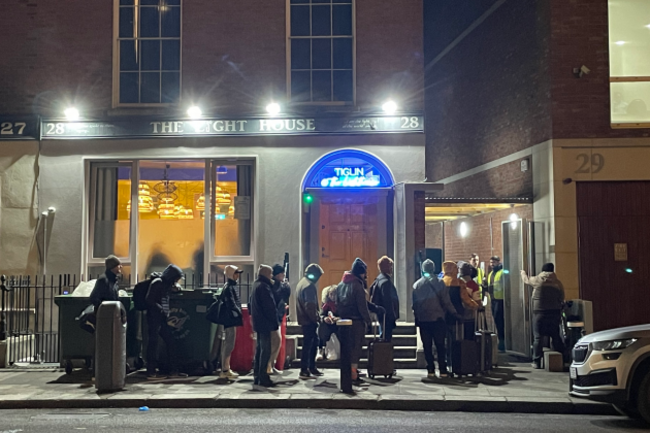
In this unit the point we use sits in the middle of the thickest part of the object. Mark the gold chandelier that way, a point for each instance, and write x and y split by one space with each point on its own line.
145 201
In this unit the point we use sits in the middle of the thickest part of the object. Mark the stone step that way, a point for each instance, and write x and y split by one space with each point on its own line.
398 352
398 340
363 364
406 329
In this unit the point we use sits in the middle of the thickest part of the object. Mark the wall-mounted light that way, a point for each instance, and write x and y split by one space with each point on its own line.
464 229
194 112
514 218
273 109
389 107
71 113
620 43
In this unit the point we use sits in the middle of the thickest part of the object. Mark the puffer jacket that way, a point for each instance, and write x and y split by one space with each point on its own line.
384 294
307 311
158 295
262 306
548 291
458 292
351 300
232 315
431 301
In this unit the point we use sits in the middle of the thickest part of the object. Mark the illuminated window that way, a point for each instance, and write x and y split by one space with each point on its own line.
629 44
321 51
176 221
148 51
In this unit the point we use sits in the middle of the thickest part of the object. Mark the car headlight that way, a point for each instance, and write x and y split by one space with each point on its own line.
613 344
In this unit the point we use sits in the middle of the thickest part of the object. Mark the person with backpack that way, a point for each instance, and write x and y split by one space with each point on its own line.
157 315
548 300
351 304
384 294
281 294
264 315
431 304
229 318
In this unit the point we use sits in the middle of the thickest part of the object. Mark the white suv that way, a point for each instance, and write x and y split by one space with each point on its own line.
614 367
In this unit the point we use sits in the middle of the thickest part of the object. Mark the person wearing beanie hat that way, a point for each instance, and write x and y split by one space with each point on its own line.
431 304
307 312
107 285
230 319
467 273
281 294
351 304
384 294
264 314
158 300
460 297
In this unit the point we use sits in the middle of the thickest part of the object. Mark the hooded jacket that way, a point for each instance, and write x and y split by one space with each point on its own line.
106 289
431 301
351 300
307 311
281 294
158 295
262 306
548 291
458 292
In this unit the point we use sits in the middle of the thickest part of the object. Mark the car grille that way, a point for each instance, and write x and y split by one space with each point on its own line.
600 378
580 352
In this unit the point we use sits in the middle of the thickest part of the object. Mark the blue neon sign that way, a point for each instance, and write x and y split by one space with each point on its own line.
349 169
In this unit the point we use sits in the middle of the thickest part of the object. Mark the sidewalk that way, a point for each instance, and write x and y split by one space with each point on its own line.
511 388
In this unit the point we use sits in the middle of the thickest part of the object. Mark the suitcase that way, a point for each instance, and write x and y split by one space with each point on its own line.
464 354
380 357
484 340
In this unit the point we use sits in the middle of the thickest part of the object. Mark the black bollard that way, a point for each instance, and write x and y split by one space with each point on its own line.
345 337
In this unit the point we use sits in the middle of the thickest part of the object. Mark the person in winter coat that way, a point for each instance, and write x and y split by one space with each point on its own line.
548 300
157 315
329 318
467 274
281 294
351 304
431 304
495 285
232 319
384 294
264 314
307 312
107 285
459 296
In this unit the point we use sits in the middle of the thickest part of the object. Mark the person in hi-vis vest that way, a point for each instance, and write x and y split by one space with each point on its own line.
495 286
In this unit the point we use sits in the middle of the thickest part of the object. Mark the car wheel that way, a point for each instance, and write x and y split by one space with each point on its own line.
627 411
643 399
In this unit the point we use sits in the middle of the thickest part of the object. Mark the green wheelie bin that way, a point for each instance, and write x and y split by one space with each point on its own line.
75 343
193 333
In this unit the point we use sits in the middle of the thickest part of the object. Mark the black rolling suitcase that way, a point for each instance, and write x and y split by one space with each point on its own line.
464 354
380 356
484 339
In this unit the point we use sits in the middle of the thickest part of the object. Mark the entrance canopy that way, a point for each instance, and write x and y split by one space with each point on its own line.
348 169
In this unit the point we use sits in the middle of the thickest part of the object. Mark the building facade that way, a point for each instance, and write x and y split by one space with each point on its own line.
547 101
242 130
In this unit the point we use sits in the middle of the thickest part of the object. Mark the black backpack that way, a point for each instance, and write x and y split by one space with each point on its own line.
140 291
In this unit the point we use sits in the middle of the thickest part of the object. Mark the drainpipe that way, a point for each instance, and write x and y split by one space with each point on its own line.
46 214
491 240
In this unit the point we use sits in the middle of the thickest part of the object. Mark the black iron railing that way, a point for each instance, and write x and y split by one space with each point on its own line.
29 317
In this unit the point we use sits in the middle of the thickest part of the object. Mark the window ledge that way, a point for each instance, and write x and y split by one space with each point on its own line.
142 111
645 125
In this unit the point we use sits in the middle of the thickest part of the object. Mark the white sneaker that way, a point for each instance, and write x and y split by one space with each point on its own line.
230 375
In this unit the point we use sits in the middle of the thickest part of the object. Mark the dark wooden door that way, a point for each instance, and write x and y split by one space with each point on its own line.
612 213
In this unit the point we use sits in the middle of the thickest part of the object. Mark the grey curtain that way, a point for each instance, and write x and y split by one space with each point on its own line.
105 211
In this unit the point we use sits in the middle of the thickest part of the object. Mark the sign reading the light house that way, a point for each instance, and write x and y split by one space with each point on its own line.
147 128
351 177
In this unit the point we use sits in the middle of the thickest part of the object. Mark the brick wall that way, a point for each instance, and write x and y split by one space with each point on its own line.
433 235
478 239
504 181
581 107
234 54
489 96
419 221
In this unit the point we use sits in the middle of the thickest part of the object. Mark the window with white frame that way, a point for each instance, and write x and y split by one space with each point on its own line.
629 45
321 51
148 50
191 213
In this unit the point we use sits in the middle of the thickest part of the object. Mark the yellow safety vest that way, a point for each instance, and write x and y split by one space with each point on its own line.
479 276
496 281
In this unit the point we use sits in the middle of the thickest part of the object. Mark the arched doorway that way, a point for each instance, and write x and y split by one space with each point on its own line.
347 213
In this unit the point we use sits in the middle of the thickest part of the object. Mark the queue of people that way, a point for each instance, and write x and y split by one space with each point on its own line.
440 304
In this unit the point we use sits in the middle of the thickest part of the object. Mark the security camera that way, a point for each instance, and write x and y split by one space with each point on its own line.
582 70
